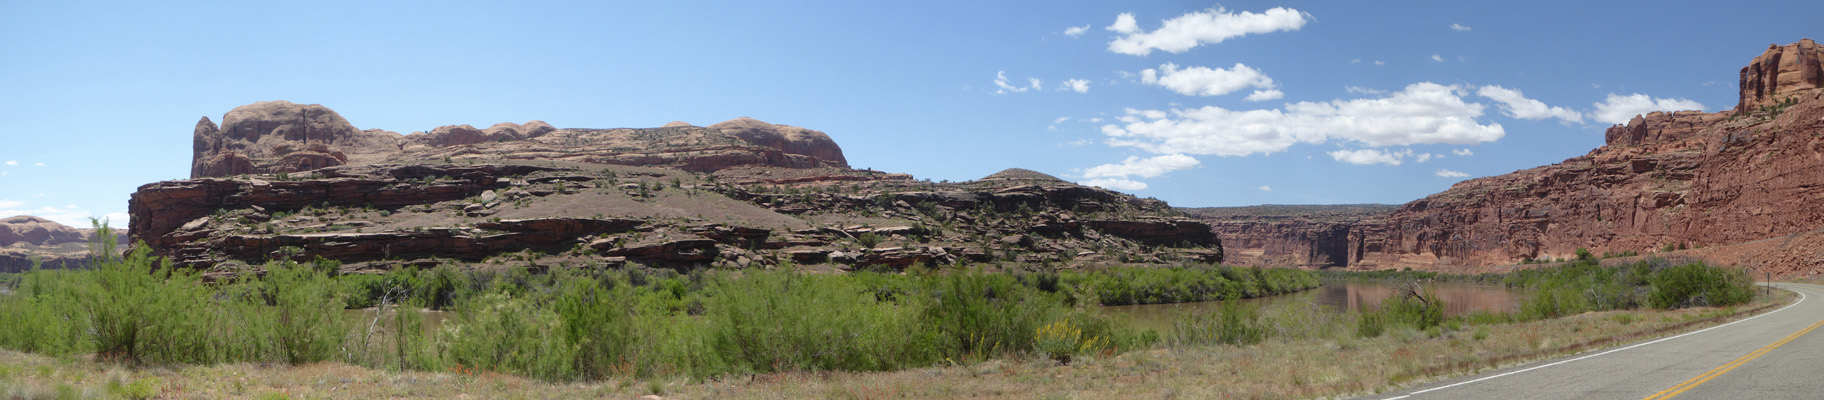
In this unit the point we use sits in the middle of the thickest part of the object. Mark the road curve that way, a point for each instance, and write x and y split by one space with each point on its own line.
1775 355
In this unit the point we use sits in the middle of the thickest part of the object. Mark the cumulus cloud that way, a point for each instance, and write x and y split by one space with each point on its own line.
38 164
1463 152
1197 28
1421 113
1116 184
1076 31
1142 167
1265 188
1205 81
1451 174
1370 156
1459 28
1076 85
1425 157
1264 95
12 162
1378 63
1518 106
1435 57
1617 109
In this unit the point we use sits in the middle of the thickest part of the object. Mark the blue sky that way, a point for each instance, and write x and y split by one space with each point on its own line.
1245 102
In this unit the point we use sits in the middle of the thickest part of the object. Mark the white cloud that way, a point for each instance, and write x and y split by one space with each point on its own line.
1378 63
1142 167
1124 24
37 164
1060 120
1116 184
1265 188
1451 174
1076 85
1421 113
1518 106
1000 80
1435 57
9 203
1463 152
1370 156
12 162
1362 90
1619 109
1205 81
1076 31
1264 95
1459 28
1095 120
1355 61
1197 28
1424 157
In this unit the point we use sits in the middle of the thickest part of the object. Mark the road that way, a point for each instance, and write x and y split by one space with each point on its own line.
1775 355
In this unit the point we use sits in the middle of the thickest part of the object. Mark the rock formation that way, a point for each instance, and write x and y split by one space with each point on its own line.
281 180
56 245
1665 180
280 136
1780 74
1324 236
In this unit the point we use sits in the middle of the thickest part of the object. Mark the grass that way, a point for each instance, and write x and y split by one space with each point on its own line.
1298 367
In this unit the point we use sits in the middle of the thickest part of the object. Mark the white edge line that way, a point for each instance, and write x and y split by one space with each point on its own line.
1801 300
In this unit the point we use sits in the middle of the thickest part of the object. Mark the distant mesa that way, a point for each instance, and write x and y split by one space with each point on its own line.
55 245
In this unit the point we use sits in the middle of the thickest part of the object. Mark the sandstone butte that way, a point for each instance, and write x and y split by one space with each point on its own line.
1739 187
284 180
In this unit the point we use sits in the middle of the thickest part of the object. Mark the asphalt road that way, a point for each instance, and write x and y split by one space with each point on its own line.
1775 355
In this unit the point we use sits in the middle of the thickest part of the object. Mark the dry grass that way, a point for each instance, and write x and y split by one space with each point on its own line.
1320 364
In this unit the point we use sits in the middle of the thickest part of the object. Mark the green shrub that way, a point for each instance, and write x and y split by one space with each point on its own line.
1699 285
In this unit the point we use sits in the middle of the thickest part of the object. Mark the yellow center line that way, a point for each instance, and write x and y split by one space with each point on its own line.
1706 376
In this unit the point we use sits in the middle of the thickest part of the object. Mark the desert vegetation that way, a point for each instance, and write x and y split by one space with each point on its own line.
574 324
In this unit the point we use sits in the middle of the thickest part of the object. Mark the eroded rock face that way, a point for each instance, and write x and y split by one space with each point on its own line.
1781 73
1682 179
1709 179
381 215
280 136
1339 236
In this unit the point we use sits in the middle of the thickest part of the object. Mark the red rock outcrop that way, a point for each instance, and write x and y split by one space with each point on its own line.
1665 179
1781 73
280 136
1304 236
1740 179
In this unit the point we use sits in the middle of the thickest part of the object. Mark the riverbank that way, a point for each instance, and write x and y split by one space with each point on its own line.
1300 367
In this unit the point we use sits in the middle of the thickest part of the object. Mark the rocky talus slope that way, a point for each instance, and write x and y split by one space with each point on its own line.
282 180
